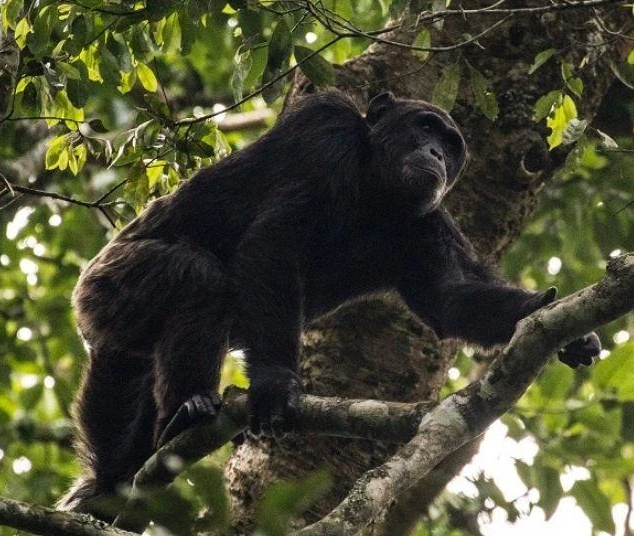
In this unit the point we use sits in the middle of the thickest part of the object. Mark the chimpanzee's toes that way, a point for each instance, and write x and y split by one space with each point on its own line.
195 410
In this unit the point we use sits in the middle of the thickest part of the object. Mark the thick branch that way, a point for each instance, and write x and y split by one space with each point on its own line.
466 414
41 520
367 419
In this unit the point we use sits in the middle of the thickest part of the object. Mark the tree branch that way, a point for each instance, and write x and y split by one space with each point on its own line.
466 414
330 416
41 520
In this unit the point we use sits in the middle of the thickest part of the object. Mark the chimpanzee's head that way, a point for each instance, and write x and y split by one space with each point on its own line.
418 150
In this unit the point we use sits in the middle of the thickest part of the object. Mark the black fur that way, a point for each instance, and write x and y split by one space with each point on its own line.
325 207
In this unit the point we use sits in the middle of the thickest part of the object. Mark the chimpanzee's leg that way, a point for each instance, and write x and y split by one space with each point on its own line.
187 363
154 315
115 415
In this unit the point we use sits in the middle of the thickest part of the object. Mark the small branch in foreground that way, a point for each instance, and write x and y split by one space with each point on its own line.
466 414
42 520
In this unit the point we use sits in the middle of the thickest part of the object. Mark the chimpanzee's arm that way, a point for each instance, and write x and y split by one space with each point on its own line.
268 313
460 296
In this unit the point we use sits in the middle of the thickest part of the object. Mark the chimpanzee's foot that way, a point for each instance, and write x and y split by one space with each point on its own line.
197 409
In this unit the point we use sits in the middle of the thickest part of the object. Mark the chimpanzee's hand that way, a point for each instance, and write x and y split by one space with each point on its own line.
581 351
273 400
539 300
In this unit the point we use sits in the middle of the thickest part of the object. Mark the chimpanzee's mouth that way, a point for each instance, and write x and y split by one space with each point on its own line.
419 171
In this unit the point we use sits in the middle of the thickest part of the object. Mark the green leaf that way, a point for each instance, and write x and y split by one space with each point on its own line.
446 89
555 383
10 13
30 397
120 50
243 63
565 111
317 69
21 30
438 5
81 27
210 488
30 100
630 57
600 421
285 500
64 108
616 373
141 43
78 92
397 7
109 66
627 421
171 34
147 77
54 150
280 45
549 486
78 35
575 85
189 29
70 71
485 98
595 505
258 57
542 58
279 52
544 105
423 40
79 88
43 26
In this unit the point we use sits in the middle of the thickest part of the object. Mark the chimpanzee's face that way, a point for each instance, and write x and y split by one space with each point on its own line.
421 151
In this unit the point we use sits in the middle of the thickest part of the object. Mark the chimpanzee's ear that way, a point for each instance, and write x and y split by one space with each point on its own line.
378 106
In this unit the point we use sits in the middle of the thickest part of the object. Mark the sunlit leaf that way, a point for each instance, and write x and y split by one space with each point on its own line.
147 77
54 150
10 13
21 30
564 112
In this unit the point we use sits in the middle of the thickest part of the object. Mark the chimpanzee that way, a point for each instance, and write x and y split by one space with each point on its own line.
325 207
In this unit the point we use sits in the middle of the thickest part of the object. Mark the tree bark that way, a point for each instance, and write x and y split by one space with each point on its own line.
376 349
